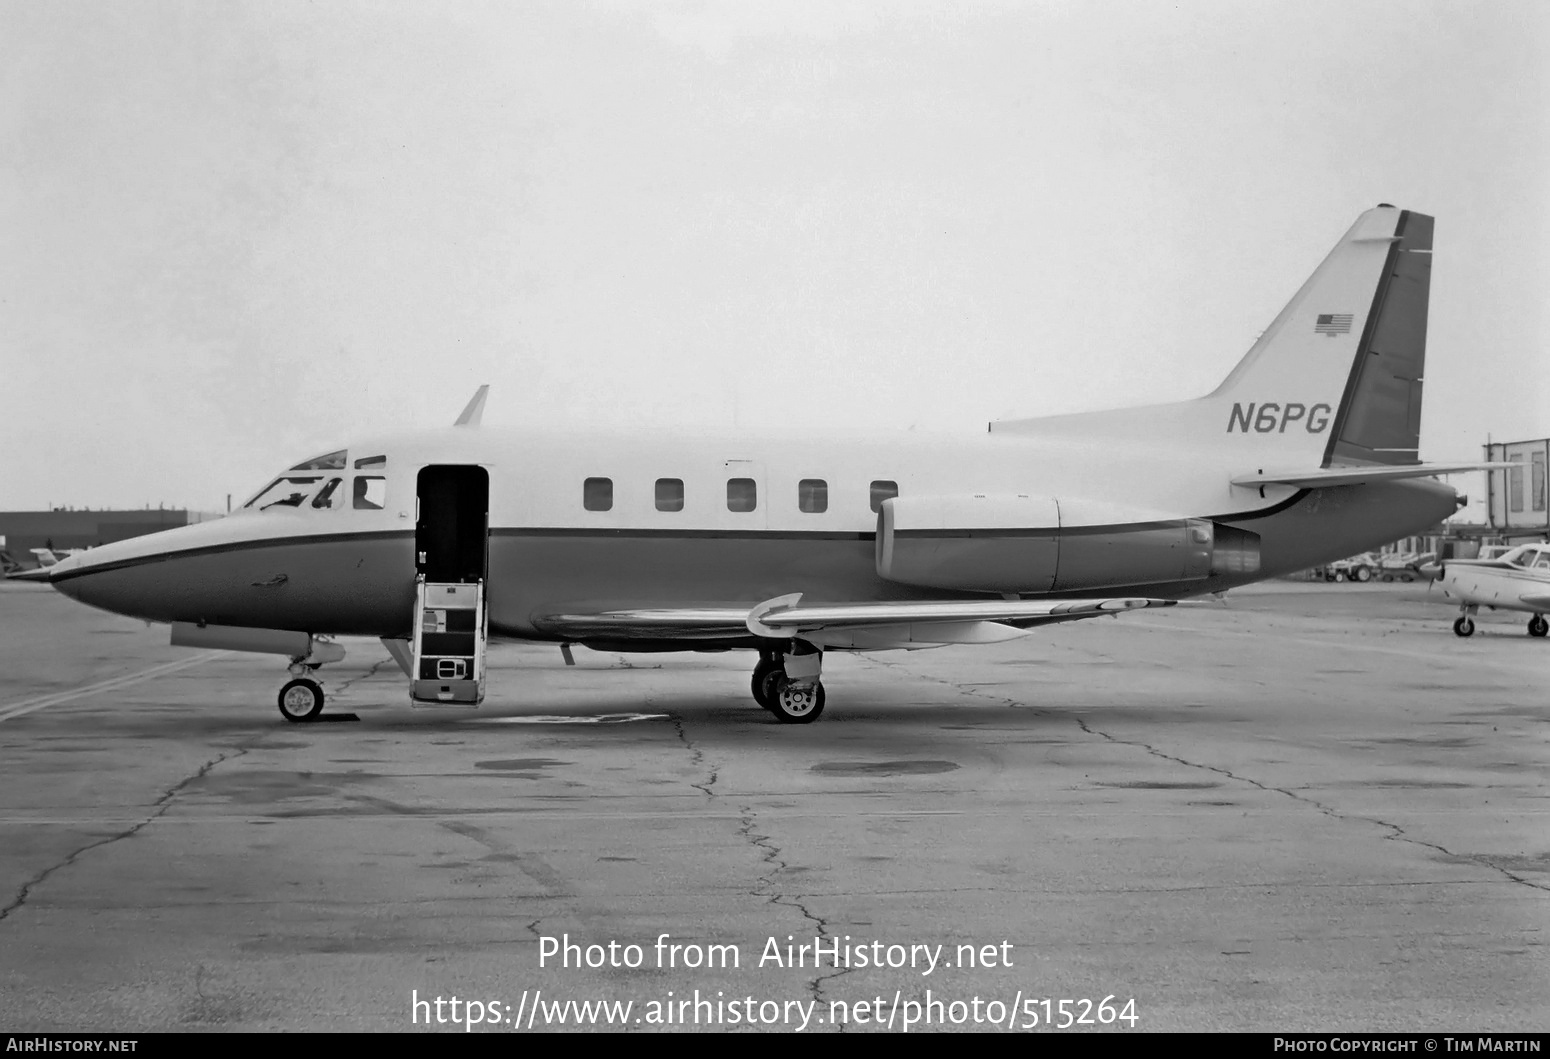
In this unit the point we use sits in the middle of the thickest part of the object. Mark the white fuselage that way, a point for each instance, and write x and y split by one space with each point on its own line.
347 569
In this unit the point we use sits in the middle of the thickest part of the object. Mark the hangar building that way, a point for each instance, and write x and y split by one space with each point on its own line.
1515 499
21 531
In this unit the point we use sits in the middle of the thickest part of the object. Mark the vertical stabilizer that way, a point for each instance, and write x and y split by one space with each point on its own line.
1335 380
1336 377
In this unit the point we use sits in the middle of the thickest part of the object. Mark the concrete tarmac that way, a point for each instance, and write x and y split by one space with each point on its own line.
1311 807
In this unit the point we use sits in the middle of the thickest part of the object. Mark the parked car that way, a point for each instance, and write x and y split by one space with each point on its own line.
1407 566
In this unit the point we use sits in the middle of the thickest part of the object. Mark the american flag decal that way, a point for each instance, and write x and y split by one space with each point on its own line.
1333 324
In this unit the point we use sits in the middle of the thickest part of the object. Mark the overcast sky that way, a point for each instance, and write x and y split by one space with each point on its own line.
235 234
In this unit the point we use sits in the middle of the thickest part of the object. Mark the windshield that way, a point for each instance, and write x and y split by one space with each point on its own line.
333 461
283 492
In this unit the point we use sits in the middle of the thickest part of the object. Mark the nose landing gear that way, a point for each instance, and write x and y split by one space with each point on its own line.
1465 623
301 700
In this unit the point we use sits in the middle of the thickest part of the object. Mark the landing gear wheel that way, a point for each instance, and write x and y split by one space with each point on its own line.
1537 626
1464 627
762 683
796 705
301 700
1363 574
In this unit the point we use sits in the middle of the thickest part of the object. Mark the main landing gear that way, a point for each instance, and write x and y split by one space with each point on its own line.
1464 625
787 684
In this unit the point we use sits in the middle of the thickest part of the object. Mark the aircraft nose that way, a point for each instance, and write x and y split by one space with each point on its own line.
133 577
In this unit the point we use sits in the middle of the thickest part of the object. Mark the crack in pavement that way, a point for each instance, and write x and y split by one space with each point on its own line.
965 689
1397 834
534 866
371 672
765 887
160 805
696 755
771 854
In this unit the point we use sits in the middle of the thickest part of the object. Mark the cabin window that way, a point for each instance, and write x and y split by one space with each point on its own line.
334 461
370 492
742 494
283 492
325 497
371 461
813 496
670 494
883 490
597 494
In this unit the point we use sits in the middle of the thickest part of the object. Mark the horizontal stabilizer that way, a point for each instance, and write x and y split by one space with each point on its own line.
1333 476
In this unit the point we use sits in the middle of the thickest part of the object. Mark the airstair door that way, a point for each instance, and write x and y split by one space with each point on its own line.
451 559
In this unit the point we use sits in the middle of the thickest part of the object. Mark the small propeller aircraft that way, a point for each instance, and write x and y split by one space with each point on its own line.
793 545
1516 580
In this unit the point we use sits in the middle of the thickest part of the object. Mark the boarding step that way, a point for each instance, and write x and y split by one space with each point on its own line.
449 644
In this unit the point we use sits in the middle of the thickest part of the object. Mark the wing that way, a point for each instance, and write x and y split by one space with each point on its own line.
855 626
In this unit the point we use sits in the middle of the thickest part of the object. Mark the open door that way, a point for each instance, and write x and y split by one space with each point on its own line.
451 555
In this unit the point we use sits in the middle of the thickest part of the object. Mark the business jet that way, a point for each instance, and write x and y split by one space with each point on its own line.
1517 580
791 546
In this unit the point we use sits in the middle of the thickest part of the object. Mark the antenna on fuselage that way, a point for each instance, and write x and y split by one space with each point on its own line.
475 409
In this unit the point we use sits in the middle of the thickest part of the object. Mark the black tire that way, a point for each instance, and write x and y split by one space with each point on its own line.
793 707
1339 575
1463 627
1363 574
762 683
301 700
1537 626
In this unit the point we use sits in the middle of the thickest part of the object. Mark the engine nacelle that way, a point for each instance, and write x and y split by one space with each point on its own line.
1034 544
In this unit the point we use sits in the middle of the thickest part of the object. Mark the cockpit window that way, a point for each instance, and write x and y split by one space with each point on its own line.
334 461
325 497
283 492
371 461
